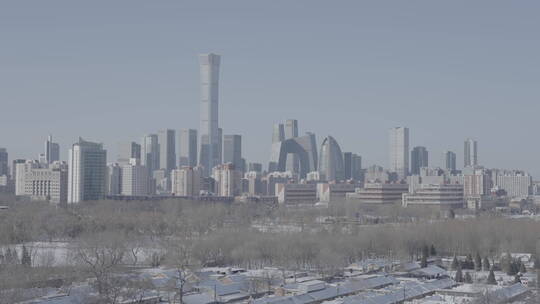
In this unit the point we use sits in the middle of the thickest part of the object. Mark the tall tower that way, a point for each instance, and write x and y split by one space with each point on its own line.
278 133
399 151
87 178
470 153
167 150
449 160
291 131
188 148
232 151
419 159
209 149
150 152
52 150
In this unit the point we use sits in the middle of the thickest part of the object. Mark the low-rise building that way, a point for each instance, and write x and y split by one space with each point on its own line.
296 193
378 193
333 192
445 196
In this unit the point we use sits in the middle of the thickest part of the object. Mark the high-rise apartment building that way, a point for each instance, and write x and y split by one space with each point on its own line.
419 159
449 160
470 153
167 150
186 181
150 152
399 151
209 141
127 151
52 151
232 151
227 180
188 148
134 179
87 171
114 179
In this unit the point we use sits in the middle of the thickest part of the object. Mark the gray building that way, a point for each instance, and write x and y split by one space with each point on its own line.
52 151
209 125
278 133
419 159
256 167
167 150
470 153
114 179
449 160
353 166
232 151
304 147
87 171
150 152
48 184
331 167
127 151
291 131
4 162
188 148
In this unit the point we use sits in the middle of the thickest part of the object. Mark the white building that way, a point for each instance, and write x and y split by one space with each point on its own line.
515 183
134 179
334 192
399 151
470 153
22 167
186 181
87 171
296 193
48 184
228 180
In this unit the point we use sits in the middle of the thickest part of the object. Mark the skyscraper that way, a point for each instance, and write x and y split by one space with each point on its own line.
209 149
331 167
52 151
449 160
419 159
399 151
232 150
150 152
167 150
4 162
188 148
127 151
470 153
87 171
291 131
353 166
278 133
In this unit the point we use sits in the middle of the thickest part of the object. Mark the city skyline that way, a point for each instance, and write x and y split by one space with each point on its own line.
174 94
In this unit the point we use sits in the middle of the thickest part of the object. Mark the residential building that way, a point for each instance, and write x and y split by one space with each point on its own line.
399 151
470 153
87 171
134 179
227 180
48 184
186 181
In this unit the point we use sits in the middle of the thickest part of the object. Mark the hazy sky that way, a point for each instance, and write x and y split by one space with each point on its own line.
111 71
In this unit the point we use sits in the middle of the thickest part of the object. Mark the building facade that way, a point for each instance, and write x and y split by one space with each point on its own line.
399 151
331 166
150 152
419 159
232 151
167 150
134 179
228 180
470 153
48 184
188 148
449 160
87 171
444 196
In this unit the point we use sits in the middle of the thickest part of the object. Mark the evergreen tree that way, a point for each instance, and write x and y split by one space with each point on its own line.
469 263
536 263
517 279
26 260
486 264
468 278
477 262
455 263
459 275
432 250
512 267
506 264
491 278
